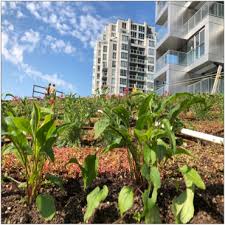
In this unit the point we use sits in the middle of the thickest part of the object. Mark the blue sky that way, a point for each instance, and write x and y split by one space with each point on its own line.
53 42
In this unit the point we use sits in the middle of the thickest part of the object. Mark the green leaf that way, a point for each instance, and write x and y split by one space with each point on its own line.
55 180
90 169
192 176
74 160
155 177
145 172
123 114
47 148
93 200
115 144
46 206
183 207
126 199
100 126
149 155
22 124
180 151
35 118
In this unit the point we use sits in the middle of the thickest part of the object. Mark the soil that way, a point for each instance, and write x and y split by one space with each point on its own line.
114 172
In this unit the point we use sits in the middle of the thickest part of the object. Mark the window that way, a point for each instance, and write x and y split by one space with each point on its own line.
151 43
104 56
104 65
133 27
113 34
114 55
124 25
151 68
113 27
104 37
141 42
133 34
98 75
123 64
99 60
113 63
123 81
98 68
112 89
124 47
113 72
151 51
124 55
123 73
121 89
141 29
104 48
124 38
114 47
113 81
151 60
141 36
99 52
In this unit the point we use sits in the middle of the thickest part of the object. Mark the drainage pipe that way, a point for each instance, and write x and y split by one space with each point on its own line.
203 136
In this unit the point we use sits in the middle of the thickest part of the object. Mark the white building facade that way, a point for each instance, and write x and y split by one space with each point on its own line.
189 46
124 58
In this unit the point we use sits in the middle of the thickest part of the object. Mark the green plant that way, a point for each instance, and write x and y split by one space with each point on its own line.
32 154
151 142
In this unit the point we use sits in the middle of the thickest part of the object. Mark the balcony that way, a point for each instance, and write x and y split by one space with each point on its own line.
160 9
138 78
161 33
137 52
180 58
140 61
137 69
209 8
160 91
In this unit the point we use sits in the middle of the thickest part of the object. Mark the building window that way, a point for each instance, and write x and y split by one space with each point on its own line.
113 72
104 65
124 25
114 55
98 68
124 47
99 52
114 47
123 73
151 60
141 42
104 56
98 75
112 89
133 34
151 51
123 64
113 27
123 81
104 48
133 27
113 34
99 60
121 89
113 81
124 38
151 43
124 55
141 29
113 63
104 37
141 36
151 68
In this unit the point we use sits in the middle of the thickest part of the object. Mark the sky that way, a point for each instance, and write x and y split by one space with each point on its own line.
53 42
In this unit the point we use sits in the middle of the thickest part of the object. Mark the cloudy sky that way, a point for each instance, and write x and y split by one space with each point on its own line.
53 42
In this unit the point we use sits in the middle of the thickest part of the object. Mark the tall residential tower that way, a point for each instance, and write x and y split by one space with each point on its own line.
124 58
190 45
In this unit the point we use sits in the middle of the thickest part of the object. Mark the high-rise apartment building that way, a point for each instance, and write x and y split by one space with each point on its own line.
124 58
190 45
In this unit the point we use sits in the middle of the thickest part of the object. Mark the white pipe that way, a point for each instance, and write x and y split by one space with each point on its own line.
203 136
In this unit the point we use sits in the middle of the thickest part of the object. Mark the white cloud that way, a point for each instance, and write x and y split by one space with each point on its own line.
19 14
31 37
58 45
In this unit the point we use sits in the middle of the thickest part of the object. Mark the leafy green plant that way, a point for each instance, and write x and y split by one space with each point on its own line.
32 154
89 169
94 198
151 141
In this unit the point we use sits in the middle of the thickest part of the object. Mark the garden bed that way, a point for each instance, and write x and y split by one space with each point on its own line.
114 172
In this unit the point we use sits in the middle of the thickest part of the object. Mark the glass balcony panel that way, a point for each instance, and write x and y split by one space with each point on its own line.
162 31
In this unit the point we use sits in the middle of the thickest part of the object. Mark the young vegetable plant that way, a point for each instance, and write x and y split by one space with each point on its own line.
89 170
33 154
151 143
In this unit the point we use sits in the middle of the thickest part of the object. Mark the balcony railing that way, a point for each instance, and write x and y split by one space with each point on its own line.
137 61
162 31
137 69
180 58
209 8
137 52
160 6
132 77
160 91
